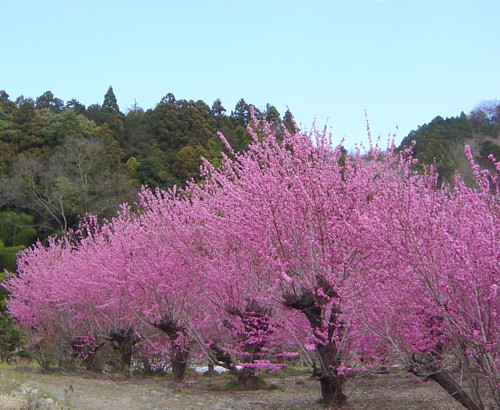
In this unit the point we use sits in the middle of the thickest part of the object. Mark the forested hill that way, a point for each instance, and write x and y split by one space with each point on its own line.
443 140
59 160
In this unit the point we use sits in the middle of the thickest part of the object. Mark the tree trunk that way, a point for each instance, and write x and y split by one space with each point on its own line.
331 390
91 364
179 364
426 367
328 353
246 377
125 359
147 365
124 341
86 348
248 380
180 354
331 383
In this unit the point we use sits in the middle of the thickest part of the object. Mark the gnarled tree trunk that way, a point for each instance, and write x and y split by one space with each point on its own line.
246 377
331 383
180 354
328 353
85 348
124 341
426 366
179 362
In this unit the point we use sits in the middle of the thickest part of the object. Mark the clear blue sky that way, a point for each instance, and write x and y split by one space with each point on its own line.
403 61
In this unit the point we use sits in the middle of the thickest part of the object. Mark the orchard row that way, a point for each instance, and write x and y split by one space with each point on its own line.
289 248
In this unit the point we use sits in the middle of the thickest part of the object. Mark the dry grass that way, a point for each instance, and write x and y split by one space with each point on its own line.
283 391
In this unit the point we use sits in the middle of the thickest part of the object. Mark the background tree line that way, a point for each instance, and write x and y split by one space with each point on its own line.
60 160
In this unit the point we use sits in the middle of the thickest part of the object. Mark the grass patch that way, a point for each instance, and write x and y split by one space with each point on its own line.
7 386
234 385
289 371
15 393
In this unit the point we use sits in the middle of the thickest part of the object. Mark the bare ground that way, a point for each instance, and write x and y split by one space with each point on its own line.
88 391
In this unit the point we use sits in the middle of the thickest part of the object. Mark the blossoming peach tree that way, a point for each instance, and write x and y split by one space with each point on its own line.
292 245
440 291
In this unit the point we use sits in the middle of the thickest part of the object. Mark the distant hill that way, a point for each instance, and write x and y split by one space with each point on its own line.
443 140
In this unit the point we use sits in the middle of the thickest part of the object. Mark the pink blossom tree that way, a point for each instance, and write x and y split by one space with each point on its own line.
59 292
136 266
32 302
332 248
439 289
293 212
159 274
222 284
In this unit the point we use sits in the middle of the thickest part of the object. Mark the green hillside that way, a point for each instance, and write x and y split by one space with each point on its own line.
443 140
59 161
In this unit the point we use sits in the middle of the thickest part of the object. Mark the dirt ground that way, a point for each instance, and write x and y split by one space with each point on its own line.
87 391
